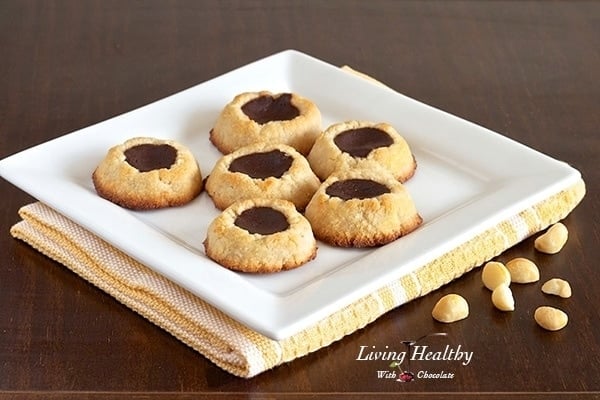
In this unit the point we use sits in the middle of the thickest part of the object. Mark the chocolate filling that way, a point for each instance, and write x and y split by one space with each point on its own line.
262 220
359 142
262 165
268 108
356 189
147 157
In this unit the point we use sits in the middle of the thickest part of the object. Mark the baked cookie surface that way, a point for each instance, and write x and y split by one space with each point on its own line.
260 236
348 145
265 117
147 173
362 208
274 171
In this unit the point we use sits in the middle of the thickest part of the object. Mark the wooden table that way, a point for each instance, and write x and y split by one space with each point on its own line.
529 70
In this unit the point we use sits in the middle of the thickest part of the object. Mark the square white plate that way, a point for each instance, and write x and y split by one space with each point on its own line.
468 179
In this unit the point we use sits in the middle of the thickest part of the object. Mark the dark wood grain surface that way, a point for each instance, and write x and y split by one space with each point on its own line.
529 70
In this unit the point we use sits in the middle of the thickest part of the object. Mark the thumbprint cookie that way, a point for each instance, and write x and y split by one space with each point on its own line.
275 171
348 145
147 173
361 208
260 236
265 117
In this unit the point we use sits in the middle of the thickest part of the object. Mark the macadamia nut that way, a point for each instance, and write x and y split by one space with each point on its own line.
450 308
493 274
502 298
557 287
553 240
523 270
550 318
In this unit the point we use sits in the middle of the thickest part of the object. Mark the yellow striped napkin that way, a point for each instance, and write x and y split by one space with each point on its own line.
229 344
